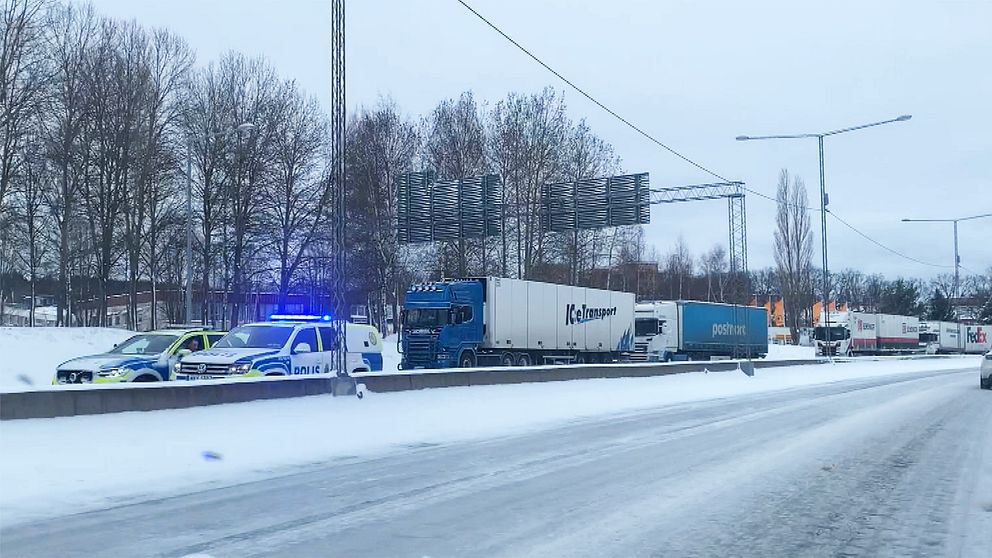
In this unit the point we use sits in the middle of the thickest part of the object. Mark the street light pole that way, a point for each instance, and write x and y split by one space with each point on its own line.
824 200
957 257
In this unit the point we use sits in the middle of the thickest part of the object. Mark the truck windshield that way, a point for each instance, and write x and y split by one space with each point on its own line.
426 317
645 326
256 337
837 333
144 345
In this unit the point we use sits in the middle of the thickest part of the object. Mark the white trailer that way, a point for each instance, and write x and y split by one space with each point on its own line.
941 337
495 320
853 333
978 339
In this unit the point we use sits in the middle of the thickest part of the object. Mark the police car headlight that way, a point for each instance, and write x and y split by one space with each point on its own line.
177 367
112 373
239 368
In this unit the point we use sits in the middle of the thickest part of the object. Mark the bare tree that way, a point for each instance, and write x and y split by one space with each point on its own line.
382 144
793 249
679 267
454 149
298 189
70 32
713 264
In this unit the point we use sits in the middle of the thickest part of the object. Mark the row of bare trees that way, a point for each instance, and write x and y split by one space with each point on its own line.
101 119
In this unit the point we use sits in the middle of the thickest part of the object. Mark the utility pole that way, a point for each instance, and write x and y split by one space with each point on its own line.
824 200
957 257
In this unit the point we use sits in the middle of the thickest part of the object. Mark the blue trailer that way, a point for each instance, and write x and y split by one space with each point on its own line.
690 330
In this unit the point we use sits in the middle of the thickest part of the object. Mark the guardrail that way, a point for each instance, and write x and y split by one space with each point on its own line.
181 395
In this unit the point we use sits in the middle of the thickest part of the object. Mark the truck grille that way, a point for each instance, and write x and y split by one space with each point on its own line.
194 368
640 353
420 351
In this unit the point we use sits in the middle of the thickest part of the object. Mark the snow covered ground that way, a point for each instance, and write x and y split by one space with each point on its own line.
28 356
75 463
790 352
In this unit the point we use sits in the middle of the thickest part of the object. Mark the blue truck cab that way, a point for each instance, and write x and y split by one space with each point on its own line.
442 324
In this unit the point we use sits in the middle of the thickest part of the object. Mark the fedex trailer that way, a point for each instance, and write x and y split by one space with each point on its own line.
681 330
499 321
978 339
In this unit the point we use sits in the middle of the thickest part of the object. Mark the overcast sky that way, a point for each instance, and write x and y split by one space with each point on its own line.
695 75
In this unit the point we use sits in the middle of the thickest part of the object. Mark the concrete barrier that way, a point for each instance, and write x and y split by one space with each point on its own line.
178 395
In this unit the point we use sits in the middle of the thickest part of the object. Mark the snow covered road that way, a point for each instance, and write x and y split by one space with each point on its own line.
897 464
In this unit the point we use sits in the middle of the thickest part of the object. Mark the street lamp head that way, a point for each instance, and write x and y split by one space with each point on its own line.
904 118
906 220
743 138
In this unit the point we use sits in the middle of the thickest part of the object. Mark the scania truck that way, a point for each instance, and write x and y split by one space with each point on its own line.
691 330
511 322
864 333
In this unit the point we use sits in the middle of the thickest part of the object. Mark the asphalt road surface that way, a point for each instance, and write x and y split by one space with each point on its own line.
898 466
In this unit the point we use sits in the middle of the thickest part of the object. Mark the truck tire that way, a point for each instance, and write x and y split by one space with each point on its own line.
523 359
506 359
466 359
580 358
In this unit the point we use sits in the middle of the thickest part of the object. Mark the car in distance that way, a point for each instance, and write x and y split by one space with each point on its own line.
145 357
986 378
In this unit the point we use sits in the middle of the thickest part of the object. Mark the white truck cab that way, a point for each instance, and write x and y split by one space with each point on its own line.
653 324
283 346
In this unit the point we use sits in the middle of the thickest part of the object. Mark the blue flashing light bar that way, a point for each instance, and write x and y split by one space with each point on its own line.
299 318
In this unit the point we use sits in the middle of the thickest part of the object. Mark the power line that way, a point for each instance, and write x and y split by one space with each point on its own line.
590 97
880 245
670 149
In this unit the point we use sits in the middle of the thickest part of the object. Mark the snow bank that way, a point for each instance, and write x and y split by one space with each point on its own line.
790 352
74 463
29 355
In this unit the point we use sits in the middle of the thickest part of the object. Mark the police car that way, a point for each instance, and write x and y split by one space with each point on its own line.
286 345
146 357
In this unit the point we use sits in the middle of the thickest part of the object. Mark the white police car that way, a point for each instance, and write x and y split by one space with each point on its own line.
283 346
986 371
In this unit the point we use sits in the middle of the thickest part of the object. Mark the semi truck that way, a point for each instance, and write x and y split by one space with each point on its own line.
941 337
690 330
511 322
864 333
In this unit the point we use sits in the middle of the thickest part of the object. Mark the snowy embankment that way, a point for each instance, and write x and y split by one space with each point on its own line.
790 352
29 355
76 463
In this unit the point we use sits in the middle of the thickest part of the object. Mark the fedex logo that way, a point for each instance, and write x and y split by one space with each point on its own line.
978 335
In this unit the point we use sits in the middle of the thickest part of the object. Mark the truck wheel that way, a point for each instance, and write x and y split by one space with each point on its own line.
580 358
523 359
466 360
506 359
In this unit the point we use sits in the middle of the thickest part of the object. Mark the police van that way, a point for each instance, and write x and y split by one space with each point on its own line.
285 345
146 357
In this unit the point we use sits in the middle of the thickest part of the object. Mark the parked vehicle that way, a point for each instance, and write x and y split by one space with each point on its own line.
283 346
689 330
941 337
500 321
864 333
146 357
978 338
986 371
